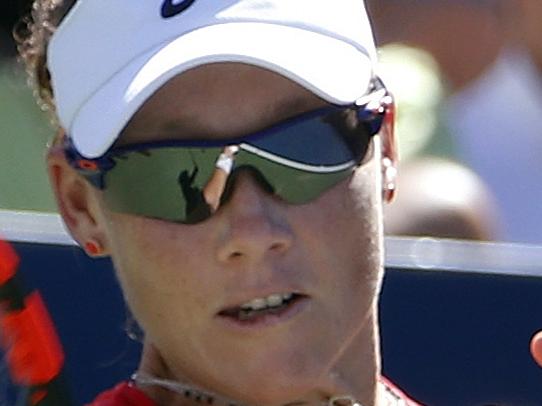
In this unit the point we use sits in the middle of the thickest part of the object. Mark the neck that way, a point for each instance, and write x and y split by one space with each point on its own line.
355 373
356 370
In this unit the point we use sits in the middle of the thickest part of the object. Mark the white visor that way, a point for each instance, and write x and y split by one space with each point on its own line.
108 57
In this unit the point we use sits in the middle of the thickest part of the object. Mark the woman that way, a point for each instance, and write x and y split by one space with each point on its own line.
266 292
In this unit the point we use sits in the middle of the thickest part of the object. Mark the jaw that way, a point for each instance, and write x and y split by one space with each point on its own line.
281 370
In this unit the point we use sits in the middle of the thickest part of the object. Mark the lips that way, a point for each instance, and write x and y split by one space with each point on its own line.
261 309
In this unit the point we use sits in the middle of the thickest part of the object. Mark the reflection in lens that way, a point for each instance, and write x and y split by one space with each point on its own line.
215 186
196 207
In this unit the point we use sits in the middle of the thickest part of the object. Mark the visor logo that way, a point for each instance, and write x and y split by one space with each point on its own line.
171 8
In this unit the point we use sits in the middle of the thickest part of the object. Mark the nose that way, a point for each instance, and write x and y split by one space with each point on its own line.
255 224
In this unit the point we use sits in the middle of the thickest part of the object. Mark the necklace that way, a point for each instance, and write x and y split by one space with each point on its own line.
206 397
189 392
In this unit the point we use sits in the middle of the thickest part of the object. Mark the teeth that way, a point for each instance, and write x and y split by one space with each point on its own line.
287 296
270 301
274 300
258 304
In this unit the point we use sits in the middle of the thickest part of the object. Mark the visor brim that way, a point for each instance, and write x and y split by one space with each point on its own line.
332 68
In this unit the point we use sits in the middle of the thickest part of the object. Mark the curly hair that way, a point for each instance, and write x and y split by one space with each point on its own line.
32 35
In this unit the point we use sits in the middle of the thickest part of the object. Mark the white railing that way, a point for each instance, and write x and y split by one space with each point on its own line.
36 227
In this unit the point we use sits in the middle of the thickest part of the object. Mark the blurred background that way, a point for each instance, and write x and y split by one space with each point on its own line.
467 75
24 129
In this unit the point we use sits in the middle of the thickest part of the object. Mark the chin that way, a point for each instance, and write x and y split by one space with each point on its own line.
277 391
280 378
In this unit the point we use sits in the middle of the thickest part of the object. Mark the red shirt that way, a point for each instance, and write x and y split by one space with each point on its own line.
125 394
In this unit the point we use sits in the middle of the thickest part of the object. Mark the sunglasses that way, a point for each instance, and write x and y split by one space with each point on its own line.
186 181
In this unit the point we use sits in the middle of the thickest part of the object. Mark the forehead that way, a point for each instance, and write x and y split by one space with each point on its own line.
220 100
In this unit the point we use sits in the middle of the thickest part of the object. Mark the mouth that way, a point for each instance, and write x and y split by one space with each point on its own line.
265 310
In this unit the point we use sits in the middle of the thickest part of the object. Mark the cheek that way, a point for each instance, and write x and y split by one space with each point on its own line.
342 233
341 240
349 216
155 265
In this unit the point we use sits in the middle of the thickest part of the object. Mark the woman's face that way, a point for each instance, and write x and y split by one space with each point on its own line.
186 283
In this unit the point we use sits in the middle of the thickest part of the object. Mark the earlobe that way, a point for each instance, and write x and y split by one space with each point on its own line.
389 150
94 249
389 178
389 158
77 204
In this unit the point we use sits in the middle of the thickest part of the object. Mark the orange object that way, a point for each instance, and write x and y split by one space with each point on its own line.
34 353
87 165
37 397
93 248
536 348
9 261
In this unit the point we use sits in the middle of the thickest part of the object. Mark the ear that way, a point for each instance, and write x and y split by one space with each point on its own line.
390 156
78 204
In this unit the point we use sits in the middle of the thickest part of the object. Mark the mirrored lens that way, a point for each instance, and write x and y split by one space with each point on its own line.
163 183
180 181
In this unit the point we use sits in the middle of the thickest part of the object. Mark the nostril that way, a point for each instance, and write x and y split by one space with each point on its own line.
236 254
276 246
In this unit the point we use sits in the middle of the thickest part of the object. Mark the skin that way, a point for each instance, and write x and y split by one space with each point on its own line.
446 30
527 27
215 187
536 348
177 277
